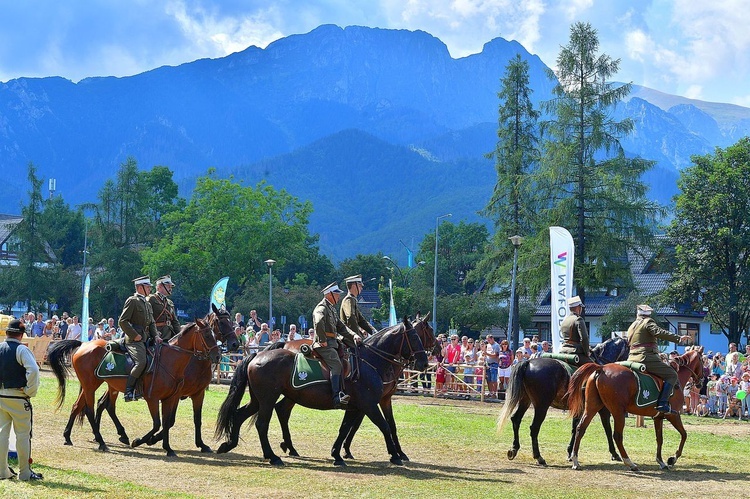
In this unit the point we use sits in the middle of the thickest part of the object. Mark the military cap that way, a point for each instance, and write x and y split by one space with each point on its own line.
644 310
353 278
332 288
165 279
575 302
16 326
142 280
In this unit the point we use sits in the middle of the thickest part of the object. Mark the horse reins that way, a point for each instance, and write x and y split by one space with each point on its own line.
199 354
398 360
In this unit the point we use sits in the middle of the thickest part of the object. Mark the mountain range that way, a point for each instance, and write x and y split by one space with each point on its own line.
382 130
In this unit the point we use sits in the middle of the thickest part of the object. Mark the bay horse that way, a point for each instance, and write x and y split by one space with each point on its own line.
268 374
198 375
162 385
615 387
543 383
390 384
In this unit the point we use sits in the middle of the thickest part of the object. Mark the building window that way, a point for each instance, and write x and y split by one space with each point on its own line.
691 329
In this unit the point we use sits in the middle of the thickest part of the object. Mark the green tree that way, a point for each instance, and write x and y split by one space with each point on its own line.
711 234
593 189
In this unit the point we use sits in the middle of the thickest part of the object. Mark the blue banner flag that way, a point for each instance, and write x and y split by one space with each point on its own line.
218 294
85 311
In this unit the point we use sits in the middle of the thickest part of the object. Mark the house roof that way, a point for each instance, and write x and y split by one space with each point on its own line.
8 224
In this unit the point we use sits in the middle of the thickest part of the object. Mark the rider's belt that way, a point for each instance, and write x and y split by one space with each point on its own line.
330 335
643 345
162 324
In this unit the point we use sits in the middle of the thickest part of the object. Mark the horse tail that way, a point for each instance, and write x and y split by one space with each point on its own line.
225 420
513 392
56 356
575 395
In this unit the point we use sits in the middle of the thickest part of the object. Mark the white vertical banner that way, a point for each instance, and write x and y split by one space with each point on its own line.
562 253
84 322
392 321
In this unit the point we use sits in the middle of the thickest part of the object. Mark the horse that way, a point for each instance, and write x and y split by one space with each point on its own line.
390 383
614 387
543 382
198 376
268 374
162 385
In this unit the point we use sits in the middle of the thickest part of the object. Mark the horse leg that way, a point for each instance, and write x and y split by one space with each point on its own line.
374 414
283 412
605 415
659 431
676 421
573 427
540 413
168 413
198 421
108 401
153 407
619 418
350 436
387 409
516 418
240 416
261 424
78 407
350 417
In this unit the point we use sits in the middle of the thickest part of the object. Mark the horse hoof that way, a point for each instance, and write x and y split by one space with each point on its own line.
68 442
293 452
125 440
397 461
617 458
136 443
284 447
576 467
404 457
634 468
224 448
171 453
276 461
103 448
205 449
339 462
663 466
672 461
348 455
512 454
541 462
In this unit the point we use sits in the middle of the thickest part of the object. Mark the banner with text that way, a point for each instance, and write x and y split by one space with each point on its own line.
562 252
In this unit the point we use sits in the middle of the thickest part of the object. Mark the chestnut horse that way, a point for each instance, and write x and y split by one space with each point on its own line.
390 383
542 382
615 387
162 385
268 374
198 376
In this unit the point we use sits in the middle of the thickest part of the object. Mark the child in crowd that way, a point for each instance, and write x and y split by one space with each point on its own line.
733 410
702 408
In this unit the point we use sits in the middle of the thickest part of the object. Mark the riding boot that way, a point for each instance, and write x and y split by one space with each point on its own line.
130 389
662 404
339 397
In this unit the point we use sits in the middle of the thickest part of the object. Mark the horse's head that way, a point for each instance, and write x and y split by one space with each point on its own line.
198 338
692 360
222 328
413 348
425 332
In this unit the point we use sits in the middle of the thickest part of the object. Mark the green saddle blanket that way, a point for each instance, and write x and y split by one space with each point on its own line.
569 361
116 365
648 390
306 372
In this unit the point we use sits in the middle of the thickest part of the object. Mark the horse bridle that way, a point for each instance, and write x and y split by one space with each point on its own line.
214 320
197 353
695 375
398 360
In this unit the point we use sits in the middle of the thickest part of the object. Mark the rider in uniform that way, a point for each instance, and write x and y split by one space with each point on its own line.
165 314
574 334
349 312
137 324
327 324
642 336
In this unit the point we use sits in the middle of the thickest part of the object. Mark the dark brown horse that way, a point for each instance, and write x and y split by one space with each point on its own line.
542 382
615 387
198 376
390 383
268 374
163 385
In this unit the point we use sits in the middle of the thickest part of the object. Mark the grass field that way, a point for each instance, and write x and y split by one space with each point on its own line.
454 448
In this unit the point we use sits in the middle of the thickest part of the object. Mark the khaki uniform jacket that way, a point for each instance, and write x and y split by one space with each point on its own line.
352 317
327 324
575 335
642 336
136 318
165 315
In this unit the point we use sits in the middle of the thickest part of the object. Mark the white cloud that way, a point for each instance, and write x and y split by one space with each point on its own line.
694 92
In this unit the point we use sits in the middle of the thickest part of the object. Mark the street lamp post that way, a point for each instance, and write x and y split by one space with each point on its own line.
270 263
401 274
434 280
513 315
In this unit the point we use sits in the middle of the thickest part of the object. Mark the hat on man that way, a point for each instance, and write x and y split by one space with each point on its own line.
332 288
353 278
575 302
15 327
145 280
644 310
165 279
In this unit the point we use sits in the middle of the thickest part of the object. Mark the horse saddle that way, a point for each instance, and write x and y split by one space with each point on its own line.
344 356
569 361
649 385
118 363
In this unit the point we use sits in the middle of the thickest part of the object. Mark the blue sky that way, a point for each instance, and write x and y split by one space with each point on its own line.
693 48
